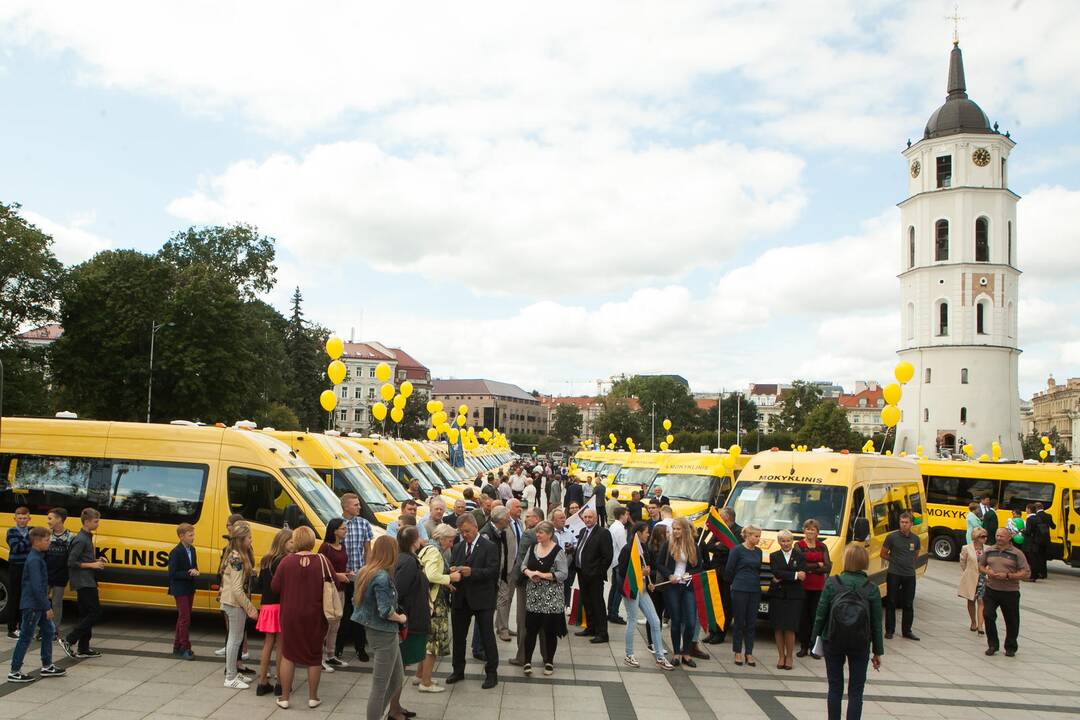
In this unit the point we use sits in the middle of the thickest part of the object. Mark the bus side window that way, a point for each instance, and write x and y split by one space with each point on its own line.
879 509
858 510
257 496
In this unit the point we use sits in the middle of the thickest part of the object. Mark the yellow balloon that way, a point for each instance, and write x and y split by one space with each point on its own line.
984 457
669 439
386 392
904 372
379 411
1043 454
432 434
1045 440
463 409
382 372
334 347
611 437
461 421
892 393
664 445
969 450
397 414
406 389
452 436
667 424
890 415
888 453
328 400
438 406
440 417
336 372
919 450
399 401
430 407
444 428
735 451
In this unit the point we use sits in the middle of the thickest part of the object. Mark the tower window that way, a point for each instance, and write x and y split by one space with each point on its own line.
911 246
944 171
963 416
982 240
943 318
980 318
1009 259
927 376
941 240
926 415
1004 174
963 376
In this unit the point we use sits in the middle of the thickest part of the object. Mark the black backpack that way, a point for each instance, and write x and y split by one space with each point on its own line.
849 618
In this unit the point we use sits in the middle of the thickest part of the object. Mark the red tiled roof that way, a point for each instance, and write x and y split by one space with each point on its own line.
363 351
871 396
771 389
706 404
406 361
49 331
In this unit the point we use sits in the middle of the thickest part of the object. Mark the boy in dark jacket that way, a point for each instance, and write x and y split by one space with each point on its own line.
183 569
18 542
36 611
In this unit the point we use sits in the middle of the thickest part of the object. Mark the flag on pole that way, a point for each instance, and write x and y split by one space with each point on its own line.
634 581
577 610
720 530
707 594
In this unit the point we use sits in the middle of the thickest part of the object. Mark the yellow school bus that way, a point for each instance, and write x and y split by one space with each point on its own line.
439 475
380 475
854 498
951 485
693 482
637 473
146 479
585 463
401 465
341 472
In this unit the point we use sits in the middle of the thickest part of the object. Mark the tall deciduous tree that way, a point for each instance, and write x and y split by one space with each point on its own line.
567 424
826 425
617 418
238 253
734 408
798 401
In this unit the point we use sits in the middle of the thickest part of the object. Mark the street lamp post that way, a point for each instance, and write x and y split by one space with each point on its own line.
652 432
154 327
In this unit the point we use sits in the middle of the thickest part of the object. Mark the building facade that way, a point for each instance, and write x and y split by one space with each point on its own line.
589 407
959 282
360 388
863 408
1058 408
494 405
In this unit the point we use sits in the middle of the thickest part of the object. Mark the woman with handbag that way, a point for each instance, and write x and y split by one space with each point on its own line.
333 549
413 587
376 600
299 583
434 559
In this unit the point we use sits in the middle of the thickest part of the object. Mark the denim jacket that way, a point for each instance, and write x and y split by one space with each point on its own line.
380 599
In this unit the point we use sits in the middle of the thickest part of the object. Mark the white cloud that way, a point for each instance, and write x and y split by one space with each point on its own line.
512 216
72 243
1048 237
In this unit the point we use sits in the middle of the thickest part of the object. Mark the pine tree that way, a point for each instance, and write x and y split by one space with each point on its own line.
304 349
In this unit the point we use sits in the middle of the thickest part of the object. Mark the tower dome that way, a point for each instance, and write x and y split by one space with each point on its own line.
959 114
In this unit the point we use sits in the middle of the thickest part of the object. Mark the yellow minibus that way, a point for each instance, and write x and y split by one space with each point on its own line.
146 479
637 473
693 482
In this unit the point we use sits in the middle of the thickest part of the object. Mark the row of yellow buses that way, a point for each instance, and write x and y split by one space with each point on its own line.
146 479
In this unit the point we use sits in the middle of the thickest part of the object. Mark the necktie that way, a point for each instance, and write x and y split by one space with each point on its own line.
581 546
517 531
468 551
502 571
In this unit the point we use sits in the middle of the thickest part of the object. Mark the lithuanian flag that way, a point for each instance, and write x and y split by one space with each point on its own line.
720 529
634 582
710 610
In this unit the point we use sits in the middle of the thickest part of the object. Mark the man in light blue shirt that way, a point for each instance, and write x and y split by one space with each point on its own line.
408 507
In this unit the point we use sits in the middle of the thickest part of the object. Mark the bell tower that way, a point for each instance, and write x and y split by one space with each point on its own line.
959 282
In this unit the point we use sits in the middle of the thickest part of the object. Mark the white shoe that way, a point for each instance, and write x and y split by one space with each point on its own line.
432 688
245 656
237 683
642 621
220 652
327 667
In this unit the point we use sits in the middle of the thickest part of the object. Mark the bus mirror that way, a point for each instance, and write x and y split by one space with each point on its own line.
860 530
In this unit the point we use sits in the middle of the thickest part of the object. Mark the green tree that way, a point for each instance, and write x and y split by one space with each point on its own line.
567 424
826 425
415 423
1032 444
278 416
665 395
798 401
617 418
237 253
736 408
306 362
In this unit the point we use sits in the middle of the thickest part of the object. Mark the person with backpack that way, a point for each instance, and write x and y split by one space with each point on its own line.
848 623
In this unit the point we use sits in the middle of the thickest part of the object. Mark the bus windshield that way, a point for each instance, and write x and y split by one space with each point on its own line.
429 472
699 488
384 476
407 473
786 506
315 493
608 469
586 465
356 481
450 477
635 476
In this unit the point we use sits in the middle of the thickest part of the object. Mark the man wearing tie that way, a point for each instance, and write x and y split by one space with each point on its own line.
477 559
592 557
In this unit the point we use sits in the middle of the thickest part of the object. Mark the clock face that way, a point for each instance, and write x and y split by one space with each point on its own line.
915 168
981 157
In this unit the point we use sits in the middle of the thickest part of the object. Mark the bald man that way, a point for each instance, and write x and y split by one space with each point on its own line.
592 557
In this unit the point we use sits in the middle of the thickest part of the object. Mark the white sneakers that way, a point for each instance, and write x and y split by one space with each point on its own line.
237 683
432 688
220 652
327 667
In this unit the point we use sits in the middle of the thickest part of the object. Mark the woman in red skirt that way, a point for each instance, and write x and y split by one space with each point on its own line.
299 583
818 567
269 622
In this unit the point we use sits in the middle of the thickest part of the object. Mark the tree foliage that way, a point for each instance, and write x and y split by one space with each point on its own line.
617 418
1032 444
665 395
826 425
305 372
237 253
567 423
30 275
798 401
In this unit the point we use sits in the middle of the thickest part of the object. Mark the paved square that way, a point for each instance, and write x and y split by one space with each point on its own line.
945 675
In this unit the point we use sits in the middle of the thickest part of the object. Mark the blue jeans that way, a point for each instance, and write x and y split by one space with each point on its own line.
680 603
615 596
745 621
644 602
32 619
834 667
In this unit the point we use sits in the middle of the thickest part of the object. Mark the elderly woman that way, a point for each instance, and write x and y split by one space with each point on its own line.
972 582
434 560
786 596
544 568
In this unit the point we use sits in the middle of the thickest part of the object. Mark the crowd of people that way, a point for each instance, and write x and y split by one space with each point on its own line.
501 564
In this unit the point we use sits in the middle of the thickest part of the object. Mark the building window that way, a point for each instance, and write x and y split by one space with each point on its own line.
941 240
358 392
911 246
943 318
963 416
980 317
944 171
1004 174
982 240
926 415
1009 259
343 414
344 391
963 376
927 378
371 393
358 415
371 372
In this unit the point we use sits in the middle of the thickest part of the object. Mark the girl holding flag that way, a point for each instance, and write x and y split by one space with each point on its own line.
636 561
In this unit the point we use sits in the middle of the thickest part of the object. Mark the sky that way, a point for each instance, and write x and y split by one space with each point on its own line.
551 193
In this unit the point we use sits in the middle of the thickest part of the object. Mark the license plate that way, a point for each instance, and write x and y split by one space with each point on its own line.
763 607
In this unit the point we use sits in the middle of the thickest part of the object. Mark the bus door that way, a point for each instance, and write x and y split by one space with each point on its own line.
1070 515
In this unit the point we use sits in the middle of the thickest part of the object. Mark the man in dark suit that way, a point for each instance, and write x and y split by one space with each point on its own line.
477 559
593 556
600 493
989 517
574 493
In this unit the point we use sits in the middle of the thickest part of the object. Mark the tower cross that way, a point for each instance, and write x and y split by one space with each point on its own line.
956 18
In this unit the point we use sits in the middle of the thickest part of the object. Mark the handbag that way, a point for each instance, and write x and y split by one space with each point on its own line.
331 600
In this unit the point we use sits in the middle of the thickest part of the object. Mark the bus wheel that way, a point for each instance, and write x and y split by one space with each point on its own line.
4 594
945 547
